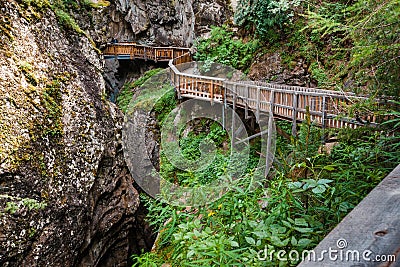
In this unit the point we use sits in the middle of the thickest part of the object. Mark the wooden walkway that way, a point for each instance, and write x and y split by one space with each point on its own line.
327 108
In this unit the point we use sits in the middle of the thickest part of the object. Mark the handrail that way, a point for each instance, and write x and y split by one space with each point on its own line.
285 101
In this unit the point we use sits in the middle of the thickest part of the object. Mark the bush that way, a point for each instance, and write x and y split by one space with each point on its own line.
264 14
224 48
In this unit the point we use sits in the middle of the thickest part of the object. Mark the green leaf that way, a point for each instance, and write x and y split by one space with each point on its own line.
329 168
303 230
250 240
286 223
300 222
319 189
234 243
276 241
309 183
324 181
303 242
295 185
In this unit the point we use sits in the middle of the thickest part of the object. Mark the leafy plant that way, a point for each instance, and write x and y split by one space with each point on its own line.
371 28
264 14
224 48
147 259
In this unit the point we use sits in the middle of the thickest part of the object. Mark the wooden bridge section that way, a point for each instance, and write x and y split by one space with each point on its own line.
327 108
135 51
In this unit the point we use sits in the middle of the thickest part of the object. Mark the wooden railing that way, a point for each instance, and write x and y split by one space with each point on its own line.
326 108
136 51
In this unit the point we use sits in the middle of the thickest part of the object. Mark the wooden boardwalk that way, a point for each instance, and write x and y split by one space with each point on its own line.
327 108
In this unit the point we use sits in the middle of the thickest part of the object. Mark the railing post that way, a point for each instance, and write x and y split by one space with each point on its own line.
212 92
258 103
233 119
323 120
294 117
246 107
225 95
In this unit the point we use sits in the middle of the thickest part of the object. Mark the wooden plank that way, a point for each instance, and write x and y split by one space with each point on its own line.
371 229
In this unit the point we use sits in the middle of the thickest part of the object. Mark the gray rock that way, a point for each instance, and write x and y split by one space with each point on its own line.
66 195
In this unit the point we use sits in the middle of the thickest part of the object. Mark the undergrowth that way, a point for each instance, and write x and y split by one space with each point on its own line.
308 195
223 47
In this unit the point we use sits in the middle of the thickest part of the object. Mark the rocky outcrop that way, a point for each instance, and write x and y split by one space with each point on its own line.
270 68
66 195
165 22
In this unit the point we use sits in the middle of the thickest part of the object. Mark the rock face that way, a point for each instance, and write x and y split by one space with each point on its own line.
162 22
66 195
270 68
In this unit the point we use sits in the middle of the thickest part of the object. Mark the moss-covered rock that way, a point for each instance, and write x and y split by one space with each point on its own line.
66 196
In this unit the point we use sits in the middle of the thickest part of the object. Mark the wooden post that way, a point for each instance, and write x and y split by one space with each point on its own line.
268 156
246 107
233 119
225 89
294 117
212 92
258 104
323 120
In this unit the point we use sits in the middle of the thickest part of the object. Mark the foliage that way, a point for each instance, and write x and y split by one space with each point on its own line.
64 12
67 21
18 203
223 47
96 4
127 92
372 28
394 122
264 15
310 193
190 145
39 4
147 259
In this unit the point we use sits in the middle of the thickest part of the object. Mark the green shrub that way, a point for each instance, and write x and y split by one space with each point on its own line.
224 48
264 15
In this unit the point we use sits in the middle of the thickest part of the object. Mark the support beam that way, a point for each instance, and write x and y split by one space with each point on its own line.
233 121
251 137
269 158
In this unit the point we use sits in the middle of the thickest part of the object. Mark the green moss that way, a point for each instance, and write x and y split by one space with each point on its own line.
27 70
62 10
96 4
127 92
